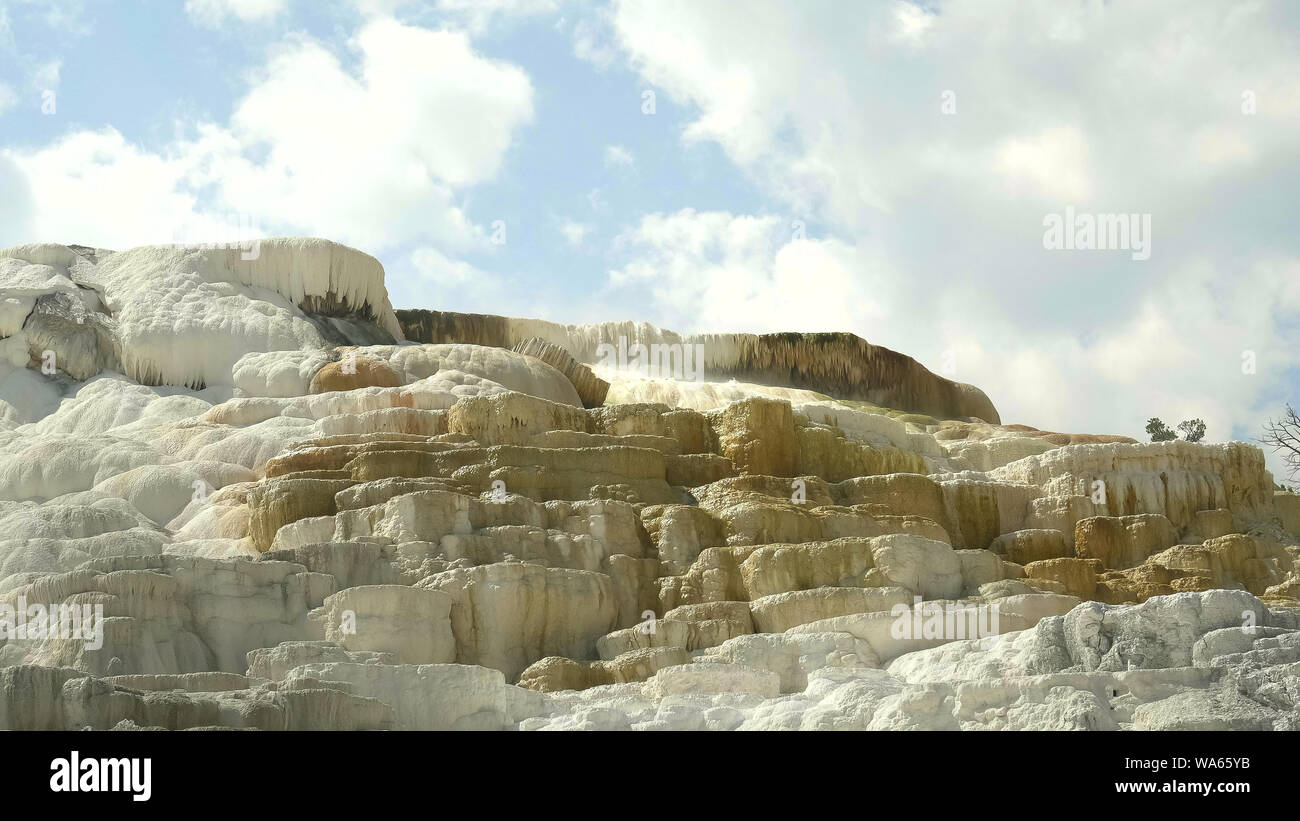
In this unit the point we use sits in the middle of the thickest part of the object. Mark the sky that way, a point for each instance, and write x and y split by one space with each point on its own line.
884 168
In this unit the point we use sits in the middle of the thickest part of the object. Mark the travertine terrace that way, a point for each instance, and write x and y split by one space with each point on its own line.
300 509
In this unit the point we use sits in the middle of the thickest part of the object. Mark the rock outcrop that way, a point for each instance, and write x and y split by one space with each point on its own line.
244 500
835 364
591 388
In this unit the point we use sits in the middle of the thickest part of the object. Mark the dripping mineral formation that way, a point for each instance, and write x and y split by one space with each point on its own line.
301 509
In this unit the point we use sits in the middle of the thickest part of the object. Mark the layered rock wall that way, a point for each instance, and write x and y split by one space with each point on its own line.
287 517
841 365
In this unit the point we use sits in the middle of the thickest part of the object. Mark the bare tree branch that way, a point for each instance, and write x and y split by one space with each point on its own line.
1283 436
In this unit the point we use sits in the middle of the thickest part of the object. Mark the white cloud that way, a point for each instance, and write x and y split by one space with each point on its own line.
15 205
933 221
46 75
475 15
593 39
911 21
430 278
8 99
512 7
213 13
433 263
714 271
618 156
363 156
1054 162
370 157
96 188
575 232
381 8
67 17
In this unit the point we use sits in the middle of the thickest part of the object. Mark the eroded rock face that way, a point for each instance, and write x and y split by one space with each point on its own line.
412 624
508 615
757 436
591 388
841 365
316 525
